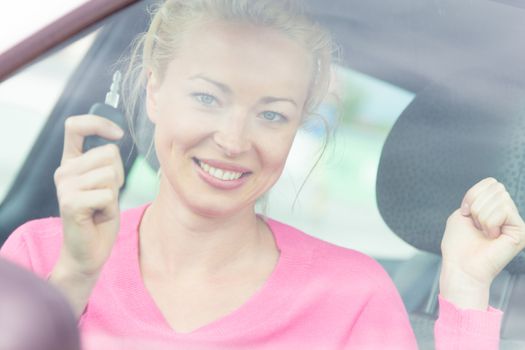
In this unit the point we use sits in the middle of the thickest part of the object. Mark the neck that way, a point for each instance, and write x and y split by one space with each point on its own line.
178 241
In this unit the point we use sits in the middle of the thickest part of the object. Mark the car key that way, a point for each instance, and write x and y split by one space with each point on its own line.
108 110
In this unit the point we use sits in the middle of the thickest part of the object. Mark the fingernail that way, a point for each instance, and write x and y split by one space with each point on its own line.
465 210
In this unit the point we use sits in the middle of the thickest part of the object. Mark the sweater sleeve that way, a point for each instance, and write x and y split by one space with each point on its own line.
467 329
383 322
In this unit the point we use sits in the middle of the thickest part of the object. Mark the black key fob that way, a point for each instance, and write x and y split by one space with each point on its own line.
113 114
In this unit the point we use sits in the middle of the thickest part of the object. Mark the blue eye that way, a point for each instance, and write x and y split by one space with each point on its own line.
205 99
273 116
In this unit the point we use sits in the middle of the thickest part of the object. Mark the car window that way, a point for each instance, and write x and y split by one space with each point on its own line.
42 13
27 98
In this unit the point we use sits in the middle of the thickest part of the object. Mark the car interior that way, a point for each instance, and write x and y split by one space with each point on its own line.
436 149
463 62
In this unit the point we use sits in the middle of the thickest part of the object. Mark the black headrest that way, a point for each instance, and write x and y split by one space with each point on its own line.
452 135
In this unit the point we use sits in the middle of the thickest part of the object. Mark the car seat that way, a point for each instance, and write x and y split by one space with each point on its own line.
453 134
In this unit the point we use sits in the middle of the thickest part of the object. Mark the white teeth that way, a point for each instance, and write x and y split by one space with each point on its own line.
219 173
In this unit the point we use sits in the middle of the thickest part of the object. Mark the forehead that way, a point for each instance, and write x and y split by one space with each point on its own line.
243 52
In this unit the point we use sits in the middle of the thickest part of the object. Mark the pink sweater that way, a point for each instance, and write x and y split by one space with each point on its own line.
320 296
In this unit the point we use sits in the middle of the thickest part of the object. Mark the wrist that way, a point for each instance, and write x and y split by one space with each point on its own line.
68 273
463 290
75 284
70 266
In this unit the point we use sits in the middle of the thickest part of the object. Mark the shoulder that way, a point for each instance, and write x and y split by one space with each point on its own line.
330 261
36 232
35 245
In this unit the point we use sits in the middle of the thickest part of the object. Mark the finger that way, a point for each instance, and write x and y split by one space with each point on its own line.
82 204
493 221
486 201
100 157
503 218
109 213
78 127
95 158
473 192
504 248
514 230
106 177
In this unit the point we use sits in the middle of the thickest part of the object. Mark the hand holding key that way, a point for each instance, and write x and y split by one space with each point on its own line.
87 189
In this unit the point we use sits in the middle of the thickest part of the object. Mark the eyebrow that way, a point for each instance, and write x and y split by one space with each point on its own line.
226 89
271 99
223 87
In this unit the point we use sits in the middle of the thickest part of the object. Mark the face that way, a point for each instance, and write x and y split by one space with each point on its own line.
226 112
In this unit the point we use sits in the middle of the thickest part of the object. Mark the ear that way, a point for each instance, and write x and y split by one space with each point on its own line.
152 91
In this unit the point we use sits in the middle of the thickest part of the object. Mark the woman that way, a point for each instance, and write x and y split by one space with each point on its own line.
228 84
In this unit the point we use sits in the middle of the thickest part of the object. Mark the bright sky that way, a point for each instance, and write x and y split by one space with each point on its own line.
18 19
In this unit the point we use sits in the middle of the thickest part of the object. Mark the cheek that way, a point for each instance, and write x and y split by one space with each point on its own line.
176 127
275 153
172 140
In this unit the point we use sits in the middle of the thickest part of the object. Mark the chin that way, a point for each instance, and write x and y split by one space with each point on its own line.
214 210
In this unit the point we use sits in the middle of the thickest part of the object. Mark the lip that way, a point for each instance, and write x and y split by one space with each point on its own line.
218 183
223 165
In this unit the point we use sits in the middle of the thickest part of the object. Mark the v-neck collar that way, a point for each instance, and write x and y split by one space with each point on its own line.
265 305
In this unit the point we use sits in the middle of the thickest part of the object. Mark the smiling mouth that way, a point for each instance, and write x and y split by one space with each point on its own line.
218 173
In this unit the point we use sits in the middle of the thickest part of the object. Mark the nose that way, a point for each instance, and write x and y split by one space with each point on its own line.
232 136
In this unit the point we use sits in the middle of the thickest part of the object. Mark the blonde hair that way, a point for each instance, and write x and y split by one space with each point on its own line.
153 50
